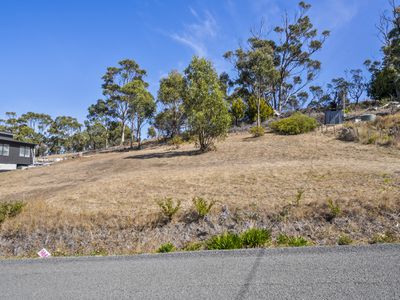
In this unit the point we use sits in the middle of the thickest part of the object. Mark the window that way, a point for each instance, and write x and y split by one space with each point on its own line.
4 149
24 151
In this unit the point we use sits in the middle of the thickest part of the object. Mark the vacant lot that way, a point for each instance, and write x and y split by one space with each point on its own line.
260 175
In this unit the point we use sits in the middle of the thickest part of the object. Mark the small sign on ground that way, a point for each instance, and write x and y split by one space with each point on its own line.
44 253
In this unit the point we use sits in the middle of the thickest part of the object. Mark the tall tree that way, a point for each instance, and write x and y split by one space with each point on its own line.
294 49
62 131
255 67
141 105
171 95
114 79
385 79
99 119
357 84
207 111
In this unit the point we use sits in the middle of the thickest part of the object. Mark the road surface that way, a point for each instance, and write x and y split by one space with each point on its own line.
367 272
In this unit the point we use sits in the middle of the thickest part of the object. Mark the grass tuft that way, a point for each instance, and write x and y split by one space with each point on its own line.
255 237
291 241
166 248
224 241
344 240
10 210
202 206
168 207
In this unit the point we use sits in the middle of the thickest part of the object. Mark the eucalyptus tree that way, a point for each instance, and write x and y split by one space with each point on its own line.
170 95
98 122
114 79
255 71
357 84
141 106
204 103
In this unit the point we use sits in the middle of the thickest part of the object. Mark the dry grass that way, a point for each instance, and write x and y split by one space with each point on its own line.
116 192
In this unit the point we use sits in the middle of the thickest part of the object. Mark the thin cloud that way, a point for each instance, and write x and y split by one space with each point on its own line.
195 35
337 13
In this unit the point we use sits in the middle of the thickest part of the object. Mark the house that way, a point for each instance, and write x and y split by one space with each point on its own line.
14 154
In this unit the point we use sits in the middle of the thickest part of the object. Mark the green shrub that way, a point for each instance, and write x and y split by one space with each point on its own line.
224 241
344 240
10 210
257 131
165 248
299 196
334 209
255 237
291 241
295 124
176 141
381 238
195 246
168 207
202 206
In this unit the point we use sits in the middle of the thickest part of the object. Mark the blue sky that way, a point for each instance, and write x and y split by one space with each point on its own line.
53 53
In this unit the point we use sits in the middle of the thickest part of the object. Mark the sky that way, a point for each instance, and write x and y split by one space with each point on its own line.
53 53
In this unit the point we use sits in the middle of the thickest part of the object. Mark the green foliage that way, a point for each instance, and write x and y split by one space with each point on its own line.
299 196
10 210
238 109
266 110
344 240
202 207
381 238
196 246
151 132
141 104
224 241
291 241
171 94
281 67
166 248
176 141
334 209
257 131
169 207
255 237
207 112
295 124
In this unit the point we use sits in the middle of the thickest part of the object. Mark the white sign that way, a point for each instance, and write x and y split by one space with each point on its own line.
44 253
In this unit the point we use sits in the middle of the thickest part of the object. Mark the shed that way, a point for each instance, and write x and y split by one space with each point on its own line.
333 117
13 153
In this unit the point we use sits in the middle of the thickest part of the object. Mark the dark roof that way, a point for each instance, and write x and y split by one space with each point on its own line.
8 137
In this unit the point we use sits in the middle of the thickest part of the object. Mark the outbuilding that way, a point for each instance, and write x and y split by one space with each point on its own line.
13 153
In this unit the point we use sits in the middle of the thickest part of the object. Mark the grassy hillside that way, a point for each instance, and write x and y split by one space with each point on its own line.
108 201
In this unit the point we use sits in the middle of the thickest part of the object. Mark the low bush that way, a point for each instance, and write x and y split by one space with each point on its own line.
202 207
381 238
255 237
224 241
176 141
195 246
295 124
344 240
334 210
166 248
291 241
299 196
169 207
257 131
10 210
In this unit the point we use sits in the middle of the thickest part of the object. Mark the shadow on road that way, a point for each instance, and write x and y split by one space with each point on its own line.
250 276
165 154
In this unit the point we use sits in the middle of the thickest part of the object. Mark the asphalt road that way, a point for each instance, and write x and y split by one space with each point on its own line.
368 272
